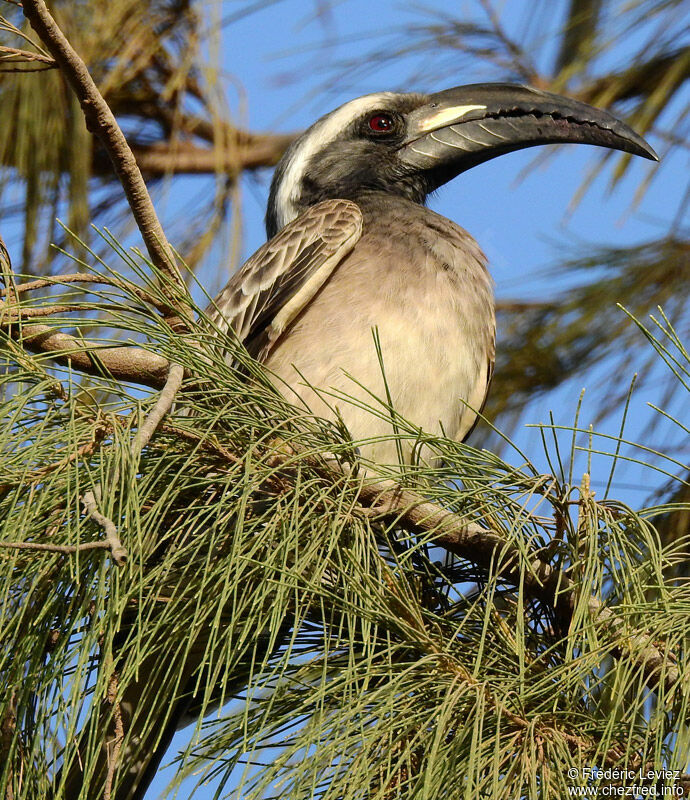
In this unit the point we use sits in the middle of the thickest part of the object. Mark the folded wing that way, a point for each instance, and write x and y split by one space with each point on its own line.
281 278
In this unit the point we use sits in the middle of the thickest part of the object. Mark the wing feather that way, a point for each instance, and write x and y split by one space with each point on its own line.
281 278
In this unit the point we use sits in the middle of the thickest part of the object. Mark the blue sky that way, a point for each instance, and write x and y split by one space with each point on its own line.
284 60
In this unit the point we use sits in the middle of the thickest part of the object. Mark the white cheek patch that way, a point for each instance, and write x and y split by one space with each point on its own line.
321 134
454 114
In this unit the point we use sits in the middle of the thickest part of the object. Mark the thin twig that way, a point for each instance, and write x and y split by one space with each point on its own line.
490 550
13 55
519 60
160 409
131 364
87 277
112 538
21 313
186 157
204 442
82 451
114 756
101 121
66 549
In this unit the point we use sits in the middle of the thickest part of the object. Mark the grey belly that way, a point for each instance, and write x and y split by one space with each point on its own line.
434 356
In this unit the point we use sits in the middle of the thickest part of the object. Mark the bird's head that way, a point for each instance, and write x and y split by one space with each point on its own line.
410 144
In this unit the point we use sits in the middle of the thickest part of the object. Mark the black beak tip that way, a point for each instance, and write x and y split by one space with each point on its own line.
650 153
637 146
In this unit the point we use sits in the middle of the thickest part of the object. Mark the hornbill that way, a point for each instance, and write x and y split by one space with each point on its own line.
352 247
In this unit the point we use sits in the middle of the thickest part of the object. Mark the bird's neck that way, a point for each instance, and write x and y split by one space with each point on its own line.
370 200
359 188
376 204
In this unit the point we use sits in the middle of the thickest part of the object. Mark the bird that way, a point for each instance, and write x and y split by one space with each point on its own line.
354 250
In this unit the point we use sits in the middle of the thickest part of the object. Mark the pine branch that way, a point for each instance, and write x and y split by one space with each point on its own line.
112 538
12 57
380 502
580 32
130 364
163 405
64 549
411 512
247 153
467 540
101 121
640 80
86 277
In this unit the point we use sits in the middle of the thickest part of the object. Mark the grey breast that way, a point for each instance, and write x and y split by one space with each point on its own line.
421 282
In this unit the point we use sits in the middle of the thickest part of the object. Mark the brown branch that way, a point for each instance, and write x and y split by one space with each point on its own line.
245 149
489 550
14 56
131 364
87 277
112 539
413 513
67 549
114 756
160 409
164 158
101 122
639 80
204 443
84 450
24 313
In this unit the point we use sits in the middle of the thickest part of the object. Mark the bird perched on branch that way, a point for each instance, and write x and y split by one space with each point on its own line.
352 248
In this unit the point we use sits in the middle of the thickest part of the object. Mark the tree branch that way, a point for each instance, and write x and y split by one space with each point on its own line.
114 754
11 59
390 503
413 513
161 408
101 121
86 277
112 539
131 364
639 80
162 158
540 580
67 549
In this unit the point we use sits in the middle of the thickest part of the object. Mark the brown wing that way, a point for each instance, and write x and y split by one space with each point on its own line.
282 277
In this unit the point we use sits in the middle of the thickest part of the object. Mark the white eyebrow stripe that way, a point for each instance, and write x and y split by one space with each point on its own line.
321 133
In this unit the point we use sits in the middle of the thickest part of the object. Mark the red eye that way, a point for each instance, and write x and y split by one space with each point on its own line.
381 123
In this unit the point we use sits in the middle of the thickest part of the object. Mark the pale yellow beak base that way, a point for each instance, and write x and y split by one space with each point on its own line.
446 116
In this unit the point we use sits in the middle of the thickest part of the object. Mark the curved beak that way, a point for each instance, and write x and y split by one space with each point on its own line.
467 125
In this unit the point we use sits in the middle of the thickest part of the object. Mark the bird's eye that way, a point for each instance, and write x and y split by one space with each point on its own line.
381 123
